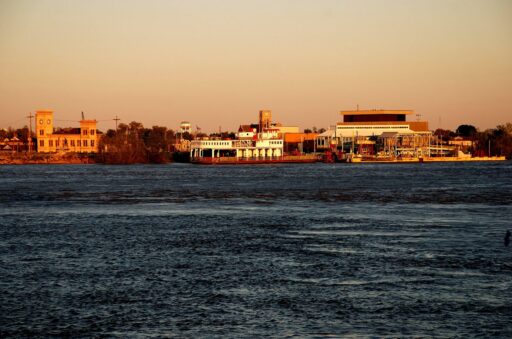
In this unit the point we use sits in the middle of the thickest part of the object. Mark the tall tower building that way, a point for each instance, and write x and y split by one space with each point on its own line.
265 119
44 128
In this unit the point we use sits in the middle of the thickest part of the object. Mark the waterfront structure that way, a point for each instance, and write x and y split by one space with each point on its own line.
367 123
377 133
405 144
255 143
461 144
299 142
181 144
265 146
80 140
326 140
210 150
12 145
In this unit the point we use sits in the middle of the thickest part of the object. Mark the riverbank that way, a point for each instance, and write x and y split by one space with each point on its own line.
45 159
74 158
433 159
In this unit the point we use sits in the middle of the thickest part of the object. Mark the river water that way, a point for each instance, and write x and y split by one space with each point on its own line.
317 250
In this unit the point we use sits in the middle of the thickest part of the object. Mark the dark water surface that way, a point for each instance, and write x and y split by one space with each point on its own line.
411 250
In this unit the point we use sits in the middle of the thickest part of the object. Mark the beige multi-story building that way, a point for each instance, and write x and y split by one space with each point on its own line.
81 140
366 123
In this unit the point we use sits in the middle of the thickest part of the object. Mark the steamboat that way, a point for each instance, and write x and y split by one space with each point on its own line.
253 148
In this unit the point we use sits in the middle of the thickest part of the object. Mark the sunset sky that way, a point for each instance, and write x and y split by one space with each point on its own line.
216 63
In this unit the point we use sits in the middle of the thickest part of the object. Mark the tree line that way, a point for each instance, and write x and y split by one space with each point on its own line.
132 143
493 141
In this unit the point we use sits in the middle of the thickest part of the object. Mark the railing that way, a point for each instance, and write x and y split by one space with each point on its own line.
243 143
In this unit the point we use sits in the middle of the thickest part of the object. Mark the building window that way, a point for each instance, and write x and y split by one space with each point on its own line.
57 143
92 143
41 132
72 143
50 143
85 143
92 132
79 143
84 132
41 143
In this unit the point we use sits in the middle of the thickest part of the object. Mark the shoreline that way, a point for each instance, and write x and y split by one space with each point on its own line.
46 159
57 159
434 159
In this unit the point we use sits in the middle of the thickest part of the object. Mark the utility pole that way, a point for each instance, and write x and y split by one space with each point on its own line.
116 120
30 116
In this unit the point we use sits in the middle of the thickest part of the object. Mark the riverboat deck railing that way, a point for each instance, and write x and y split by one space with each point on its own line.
243 143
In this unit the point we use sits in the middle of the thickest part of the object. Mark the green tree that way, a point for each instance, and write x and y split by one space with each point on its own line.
501 142
444 134
467 131
495 141
133 143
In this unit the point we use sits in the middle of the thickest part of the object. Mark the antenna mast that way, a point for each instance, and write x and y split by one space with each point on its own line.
116 119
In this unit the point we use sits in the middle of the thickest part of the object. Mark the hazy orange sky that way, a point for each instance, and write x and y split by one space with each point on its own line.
216 63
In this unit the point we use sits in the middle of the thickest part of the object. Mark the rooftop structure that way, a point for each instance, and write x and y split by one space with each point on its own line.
375 115
374 122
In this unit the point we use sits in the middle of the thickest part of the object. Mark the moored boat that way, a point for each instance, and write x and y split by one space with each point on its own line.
260 148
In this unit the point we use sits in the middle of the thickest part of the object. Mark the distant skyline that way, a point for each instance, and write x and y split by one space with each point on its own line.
217 63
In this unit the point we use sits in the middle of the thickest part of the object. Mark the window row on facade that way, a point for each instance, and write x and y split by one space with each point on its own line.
91 132
64 143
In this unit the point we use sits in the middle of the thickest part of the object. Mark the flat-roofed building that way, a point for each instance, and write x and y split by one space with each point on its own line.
80 140
366 123
366 132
